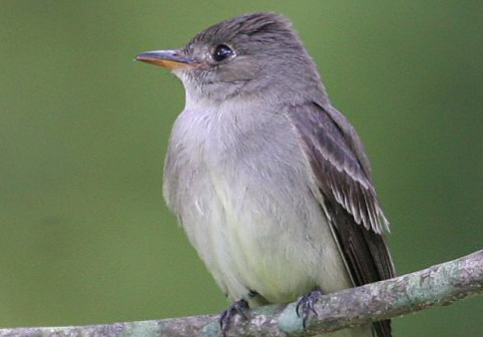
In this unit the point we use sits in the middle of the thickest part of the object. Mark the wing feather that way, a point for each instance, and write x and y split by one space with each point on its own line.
343 174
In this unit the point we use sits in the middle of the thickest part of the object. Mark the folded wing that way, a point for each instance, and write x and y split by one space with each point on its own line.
342 172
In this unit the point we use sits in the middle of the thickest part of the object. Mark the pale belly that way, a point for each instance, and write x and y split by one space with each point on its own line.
253 240
253 219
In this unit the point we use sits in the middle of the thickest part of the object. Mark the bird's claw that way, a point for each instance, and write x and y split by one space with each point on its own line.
238 308
306 304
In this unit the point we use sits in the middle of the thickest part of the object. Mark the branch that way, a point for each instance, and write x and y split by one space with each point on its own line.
435 286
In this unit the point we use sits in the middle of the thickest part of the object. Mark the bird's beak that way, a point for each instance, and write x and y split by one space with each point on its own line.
171 59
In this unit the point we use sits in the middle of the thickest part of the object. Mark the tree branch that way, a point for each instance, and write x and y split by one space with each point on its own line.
435 286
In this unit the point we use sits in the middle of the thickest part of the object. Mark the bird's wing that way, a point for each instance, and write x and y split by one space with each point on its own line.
342 172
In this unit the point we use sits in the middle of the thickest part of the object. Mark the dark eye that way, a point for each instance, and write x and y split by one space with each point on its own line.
222 52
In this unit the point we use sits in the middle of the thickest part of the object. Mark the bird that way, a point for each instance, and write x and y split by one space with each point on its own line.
270 182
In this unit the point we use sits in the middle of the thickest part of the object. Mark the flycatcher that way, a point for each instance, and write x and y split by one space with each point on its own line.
270 182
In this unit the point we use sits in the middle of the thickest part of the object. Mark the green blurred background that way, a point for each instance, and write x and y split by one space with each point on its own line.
85 236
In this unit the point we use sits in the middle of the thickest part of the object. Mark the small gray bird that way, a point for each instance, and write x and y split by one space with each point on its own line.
270 182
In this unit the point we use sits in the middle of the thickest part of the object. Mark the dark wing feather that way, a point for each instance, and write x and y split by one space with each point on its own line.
342 172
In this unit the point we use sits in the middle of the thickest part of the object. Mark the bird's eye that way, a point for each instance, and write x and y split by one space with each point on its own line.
222 52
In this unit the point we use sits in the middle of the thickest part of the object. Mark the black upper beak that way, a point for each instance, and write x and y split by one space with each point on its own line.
171 59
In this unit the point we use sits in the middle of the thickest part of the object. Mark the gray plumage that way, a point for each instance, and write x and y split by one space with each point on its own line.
270 182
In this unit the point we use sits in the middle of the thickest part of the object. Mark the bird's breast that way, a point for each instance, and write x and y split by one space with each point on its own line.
239 183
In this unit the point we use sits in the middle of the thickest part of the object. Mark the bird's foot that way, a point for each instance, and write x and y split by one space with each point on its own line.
238 308
305 306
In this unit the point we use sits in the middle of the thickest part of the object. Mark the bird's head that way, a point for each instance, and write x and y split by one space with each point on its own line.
245 55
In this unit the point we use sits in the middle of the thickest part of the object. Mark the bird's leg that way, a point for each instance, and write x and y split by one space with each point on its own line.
238 308
305 305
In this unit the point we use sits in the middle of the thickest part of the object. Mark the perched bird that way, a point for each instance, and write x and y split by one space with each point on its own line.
270 182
